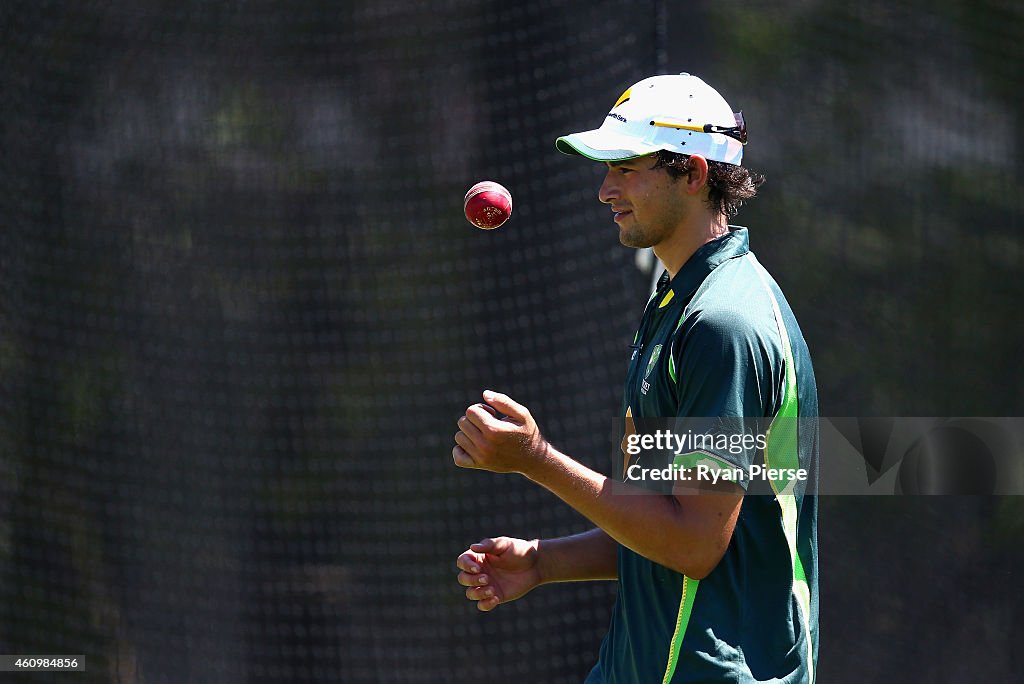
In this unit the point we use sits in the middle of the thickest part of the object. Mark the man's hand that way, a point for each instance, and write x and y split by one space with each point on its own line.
501 445
498 570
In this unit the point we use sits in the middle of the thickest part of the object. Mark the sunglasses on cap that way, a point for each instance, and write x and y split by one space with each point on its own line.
737 132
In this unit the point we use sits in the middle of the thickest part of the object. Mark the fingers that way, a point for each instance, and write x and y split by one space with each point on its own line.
479 586
470 562
480 593
472 431
473 577
482 417
507 405
472 445
474 582
487 408
462 458
486 417
488 605
467 444
486 595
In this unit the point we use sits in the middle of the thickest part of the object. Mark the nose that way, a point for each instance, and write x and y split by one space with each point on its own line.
608 190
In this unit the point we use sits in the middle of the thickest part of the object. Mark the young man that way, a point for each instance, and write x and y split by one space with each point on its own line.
717 583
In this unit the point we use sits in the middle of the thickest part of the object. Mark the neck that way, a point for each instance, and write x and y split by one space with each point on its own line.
688 238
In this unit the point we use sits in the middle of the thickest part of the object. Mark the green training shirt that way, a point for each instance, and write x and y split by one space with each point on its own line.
720 340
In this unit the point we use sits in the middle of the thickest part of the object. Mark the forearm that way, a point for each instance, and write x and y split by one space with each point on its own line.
687 532
654 526
590 555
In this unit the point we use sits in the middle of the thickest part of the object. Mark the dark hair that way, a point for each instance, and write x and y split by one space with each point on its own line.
729 186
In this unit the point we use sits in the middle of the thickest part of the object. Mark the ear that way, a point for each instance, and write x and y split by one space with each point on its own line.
697 179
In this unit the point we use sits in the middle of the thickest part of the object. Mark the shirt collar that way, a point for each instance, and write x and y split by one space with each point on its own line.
706 259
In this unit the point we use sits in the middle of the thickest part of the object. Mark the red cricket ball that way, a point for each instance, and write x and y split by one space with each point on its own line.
488 205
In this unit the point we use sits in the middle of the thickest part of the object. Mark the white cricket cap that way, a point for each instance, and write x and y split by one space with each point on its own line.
678 113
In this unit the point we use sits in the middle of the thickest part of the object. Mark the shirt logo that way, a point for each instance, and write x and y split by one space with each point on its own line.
644 385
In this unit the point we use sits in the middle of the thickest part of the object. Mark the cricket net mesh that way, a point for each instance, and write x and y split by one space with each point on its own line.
240 309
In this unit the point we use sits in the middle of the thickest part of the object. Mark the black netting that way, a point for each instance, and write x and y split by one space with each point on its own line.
240 311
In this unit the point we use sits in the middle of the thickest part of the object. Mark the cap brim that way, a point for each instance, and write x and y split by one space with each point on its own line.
601 145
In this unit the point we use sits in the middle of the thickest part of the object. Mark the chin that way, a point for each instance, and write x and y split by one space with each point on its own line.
637 241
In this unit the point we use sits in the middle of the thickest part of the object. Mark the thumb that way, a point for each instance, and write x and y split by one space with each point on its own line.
506 405
493 546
